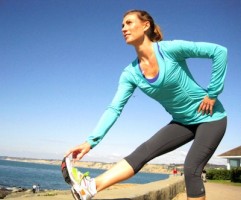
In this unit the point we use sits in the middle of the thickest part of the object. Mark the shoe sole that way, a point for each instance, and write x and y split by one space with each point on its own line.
75 194
66 172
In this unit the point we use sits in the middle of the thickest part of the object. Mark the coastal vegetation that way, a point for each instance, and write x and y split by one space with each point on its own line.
233 175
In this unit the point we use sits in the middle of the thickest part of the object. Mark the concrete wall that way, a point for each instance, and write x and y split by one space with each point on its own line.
160 190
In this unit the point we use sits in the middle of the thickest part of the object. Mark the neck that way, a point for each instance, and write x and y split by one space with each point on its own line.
145 50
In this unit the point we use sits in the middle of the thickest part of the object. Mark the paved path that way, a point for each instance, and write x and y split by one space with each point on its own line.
216 191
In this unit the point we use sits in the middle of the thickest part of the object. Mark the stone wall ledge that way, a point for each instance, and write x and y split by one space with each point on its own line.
159 190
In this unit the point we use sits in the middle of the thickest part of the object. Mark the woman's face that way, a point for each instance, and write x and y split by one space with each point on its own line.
133 29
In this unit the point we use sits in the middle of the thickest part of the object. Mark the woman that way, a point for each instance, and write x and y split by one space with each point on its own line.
161 72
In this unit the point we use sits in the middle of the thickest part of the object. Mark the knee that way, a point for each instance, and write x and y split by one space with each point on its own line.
194 183
190 172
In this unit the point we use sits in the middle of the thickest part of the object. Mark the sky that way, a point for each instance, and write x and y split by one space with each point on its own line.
60 62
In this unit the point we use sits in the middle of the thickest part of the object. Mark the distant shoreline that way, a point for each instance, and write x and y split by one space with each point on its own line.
148 168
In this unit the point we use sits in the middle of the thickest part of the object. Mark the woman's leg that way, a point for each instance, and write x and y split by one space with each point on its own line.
119 172
167 139
206 141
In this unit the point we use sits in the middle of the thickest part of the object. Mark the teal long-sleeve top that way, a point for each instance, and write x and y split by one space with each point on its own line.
175 89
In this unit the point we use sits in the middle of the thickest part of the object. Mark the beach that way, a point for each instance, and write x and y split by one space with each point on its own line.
171 189
215 191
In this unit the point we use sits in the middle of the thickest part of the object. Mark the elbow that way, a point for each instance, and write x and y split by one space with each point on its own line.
223 50
220 53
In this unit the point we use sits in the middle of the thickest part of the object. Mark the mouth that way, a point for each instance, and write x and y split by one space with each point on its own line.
126 35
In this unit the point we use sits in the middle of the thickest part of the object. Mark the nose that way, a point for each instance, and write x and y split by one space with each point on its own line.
123 28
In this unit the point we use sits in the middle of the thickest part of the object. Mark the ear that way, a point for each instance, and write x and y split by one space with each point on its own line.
146 25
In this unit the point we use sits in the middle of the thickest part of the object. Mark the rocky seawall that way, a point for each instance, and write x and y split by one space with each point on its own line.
4 191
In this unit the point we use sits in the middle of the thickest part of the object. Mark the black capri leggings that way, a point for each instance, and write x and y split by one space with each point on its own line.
206 138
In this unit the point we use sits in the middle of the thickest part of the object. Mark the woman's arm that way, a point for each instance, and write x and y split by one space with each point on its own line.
113 111
124 92
181 50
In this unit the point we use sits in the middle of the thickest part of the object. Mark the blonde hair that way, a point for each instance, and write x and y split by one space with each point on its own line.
154 33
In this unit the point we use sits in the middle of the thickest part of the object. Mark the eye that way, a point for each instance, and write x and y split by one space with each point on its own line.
128 22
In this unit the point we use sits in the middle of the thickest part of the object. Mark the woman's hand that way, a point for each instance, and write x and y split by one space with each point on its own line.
79 151
206 107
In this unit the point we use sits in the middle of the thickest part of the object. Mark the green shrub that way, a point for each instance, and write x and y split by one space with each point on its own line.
236 175
218 174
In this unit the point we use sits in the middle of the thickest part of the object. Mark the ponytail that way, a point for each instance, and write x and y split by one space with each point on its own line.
155 33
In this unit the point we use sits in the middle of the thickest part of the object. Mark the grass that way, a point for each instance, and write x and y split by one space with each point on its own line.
48 194
227 182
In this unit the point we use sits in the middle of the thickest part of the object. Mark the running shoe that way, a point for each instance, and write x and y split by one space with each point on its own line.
82 186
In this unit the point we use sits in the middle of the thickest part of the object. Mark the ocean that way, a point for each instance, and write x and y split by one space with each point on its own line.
25 175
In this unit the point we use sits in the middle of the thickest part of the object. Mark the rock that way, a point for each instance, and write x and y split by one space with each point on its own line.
4 192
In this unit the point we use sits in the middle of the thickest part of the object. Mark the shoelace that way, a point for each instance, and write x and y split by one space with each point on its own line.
86 174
